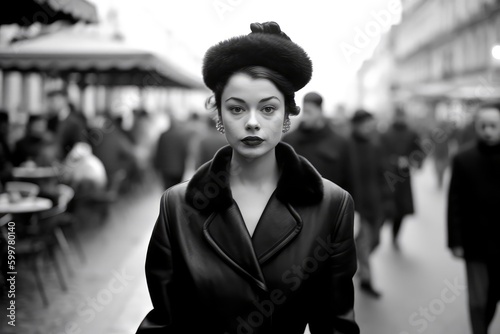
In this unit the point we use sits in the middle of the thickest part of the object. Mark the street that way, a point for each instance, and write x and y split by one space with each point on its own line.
423 286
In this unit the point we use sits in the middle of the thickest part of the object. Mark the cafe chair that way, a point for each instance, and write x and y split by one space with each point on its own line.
34 248
58 219
65 223
43 237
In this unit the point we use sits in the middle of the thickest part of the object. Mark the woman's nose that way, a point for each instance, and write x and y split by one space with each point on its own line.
252 122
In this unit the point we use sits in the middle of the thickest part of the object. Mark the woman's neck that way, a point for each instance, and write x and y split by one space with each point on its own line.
256 173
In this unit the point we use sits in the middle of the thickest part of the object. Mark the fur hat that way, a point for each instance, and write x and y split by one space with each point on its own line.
265 46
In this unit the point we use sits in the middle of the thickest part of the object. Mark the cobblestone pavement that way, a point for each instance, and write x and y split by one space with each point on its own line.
108 293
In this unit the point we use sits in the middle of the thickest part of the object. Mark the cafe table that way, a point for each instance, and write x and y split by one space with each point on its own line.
22 205
35 173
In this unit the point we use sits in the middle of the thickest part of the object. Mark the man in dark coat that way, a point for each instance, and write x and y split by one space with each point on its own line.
371 191
403 151
67 125
112 146
473 216
171 154
326 150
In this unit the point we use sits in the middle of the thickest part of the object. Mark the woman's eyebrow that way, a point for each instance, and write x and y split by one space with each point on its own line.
263 100
236 98
269 98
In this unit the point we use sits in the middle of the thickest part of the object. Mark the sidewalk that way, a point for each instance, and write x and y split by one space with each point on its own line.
101 287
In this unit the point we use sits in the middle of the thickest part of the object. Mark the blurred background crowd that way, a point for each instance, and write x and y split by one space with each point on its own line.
101 124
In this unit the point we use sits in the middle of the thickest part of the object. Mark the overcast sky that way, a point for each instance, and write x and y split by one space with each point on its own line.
330 31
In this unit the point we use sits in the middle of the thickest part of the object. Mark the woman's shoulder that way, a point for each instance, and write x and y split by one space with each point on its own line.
334 193
175 193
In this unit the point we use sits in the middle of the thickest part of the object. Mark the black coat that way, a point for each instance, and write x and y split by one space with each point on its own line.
327 151
372 190
207 275
171 151
474 202
400 141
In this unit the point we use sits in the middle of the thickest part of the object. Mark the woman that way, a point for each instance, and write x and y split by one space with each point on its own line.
256 241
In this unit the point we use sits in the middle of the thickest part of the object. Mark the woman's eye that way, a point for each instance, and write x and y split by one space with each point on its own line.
236 110
268 109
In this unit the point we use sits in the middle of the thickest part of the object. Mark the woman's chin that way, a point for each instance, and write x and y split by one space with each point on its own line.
252 152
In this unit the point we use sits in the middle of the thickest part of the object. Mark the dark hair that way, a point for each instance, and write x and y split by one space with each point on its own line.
360 116
258 72
314 98
33 118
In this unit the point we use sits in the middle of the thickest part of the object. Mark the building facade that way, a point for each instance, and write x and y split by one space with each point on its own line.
442 51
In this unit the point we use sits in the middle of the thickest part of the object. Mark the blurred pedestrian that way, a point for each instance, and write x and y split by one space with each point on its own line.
171 153
442 151
326 150
402 148
340 121
466 133
256 242
371 192
474 218
114 149
140 135
68 125
207 144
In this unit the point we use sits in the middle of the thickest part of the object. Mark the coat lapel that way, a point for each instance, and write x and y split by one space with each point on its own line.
278 226
209 192
226 232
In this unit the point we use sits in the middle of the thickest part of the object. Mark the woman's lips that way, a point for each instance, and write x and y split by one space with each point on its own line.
252 141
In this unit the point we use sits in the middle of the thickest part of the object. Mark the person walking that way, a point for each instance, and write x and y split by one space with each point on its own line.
371 192
473 216
172 153
316 141
402 147
256 241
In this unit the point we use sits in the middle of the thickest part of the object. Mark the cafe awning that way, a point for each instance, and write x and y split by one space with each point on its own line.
27 12
108 61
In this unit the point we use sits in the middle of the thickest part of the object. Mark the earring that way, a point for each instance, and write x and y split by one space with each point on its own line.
219 126
286 125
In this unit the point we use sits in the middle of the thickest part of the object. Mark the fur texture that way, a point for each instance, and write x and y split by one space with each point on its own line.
299 184
257 49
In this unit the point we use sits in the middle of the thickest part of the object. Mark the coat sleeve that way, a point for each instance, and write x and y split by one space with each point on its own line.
159 269
333 304
454 215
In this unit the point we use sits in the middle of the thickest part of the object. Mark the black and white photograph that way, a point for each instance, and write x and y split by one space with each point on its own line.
250 167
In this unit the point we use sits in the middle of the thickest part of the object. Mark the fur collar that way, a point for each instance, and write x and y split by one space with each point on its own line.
299 184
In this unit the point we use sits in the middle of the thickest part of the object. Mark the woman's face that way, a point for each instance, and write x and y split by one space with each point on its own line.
252 111
488 126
